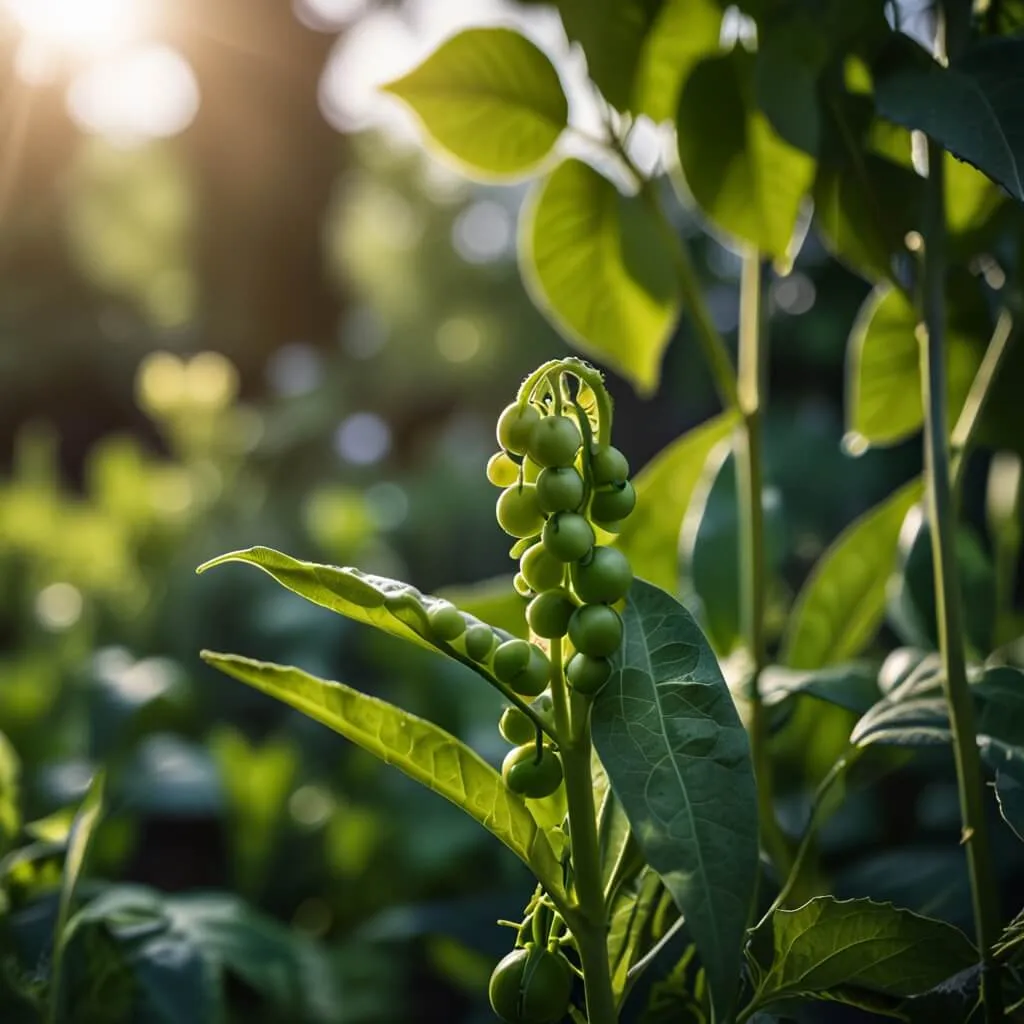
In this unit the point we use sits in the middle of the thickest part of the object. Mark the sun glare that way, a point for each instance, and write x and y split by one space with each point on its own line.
82 27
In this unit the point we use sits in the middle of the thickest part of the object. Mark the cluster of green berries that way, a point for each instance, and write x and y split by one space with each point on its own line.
557 487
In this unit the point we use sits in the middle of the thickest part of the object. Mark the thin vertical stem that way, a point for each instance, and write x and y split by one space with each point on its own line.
753 572
590 924
949 613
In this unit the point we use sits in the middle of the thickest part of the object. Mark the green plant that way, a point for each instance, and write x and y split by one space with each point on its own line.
642 803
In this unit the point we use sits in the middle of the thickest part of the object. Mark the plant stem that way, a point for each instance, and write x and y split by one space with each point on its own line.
941 514
590 922
753 573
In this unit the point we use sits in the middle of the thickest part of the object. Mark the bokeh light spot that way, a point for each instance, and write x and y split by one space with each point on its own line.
388 504
459 339
482 233
363 439
58 606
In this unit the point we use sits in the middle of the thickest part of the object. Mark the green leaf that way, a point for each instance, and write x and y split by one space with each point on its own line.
664 488
843 602
678 759
975 108
494 601
1008 763
788 61
853 685
10 814
684 32
864 208
629 925
388 605
490 99
611 34
916 722
597 265
82 829
420 749
884 376
846 950
747 179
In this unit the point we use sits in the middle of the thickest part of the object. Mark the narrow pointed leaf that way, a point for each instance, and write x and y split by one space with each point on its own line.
596 264
974 108
388 605
490 98
678 759
420 749
664 488
83 827
853 685
745 177
843 602
852 949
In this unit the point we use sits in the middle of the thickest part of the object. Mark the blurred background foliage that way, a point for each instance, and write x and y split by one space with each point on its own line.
238 304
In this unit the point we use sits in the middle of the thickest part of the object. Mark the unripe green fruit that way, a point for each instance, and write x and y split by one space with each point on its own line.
612 503
526 774
515 425
479 641
603 577
587 674
518 513
559 489
568 536
501 470
541 569
521 585
608 465
511 658
446 621
531 986
549 612
516 727
596 629
531 471
554 441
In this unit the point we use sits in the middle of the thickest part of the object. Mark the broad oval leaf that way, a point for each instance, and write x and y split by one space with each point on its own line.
848 949
611 34
843 602
974 108
388 605
678 759
420 749
490 98
664 488
884 404
684 32
742 174
597 265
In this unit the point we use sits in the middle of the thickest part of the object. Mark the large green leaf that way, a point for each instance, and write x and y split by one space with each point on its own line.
884 404
596 263
80 837
864 208
684 32
388 605
854 949
974 108
747 179
611 34
1007 762
420 749
916 722
664 487
842 603
678 759
489 98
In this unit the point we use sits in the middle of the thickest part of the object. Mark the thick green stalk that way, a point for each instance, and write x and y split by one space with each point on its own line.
942 520
753 572
590 920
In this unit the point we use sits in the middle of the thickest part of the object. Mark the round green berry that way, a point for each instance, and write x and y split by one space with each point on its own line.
567 536
559 489
548 613
603 577
515 427
596 629
587 674
516 727
518 513
541 569
554 441
479 641
612 503
446 621
608 465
